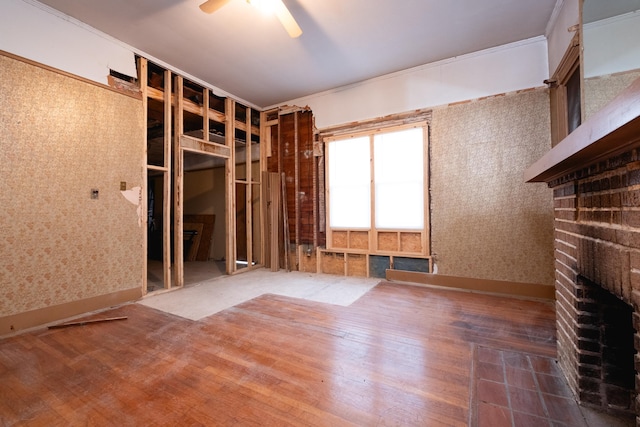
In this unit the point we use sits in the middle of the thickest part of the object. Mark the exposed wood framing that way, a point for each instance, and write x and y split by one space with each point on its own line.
142 78
274 185
230 200
285 221
374 125
249 190
296 142
178 181
205 116
166 197
188 105
351 244
197 145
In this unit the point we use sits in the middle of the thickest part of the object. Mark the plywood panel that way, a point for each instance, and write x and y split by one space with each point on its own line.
308 262
359 240
332 262
357 265
411 242
339 239
388 241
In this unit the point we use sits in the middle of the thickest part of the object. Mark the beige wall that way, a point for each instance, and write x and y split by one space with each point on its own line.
59 138
486 222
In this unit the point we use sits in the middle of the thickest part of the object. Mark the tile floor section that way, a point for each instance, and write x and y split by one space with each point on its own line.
517 389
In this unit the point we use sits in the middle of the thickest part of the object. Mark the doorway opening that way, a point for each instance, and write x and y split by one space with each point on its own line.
203 217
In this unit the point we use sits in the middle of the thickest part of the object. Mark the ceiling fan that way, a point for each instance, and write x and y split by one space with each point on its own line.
281 11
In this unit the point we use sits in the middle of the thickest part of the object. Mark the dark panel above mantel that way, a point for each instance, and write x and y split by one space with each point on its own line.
611 131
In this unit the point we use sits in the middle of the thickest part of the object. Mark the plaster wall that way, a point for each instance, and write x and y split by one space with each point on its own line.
32 30
508 68
566 15
611 45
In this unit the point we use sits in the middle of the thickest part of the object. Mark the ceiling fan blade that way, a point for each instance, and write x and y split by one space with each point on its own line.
211 6
287 19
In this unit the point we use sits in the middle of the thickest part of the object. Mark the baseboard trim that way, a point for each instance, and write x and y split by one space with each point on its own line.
34 318
525 290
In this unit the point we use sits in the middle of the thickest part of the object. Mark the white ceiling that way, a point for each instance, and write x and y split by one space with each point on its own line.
249 55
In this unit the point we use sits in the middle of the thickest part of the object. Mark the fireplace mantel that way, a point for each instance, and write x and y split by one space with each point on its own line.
611 131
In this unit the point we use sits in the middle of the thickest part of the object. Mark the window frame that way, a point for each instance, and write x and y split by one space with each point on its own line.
406 237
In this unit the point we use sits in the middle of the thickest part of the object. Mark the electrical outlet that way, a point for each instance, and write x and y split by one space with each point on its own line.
123 186
94 193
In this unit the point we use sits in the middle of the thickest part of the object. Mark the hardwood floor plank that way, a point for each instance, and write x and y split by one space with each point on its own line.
400 355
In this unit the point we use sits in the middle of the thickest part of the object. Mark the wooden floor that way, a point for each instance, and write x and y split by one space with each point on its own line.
401 355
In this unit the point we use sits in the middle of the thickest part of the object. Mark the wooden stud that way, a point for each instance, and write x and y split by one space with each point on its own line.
205 116
296 143
178 185
230 194
191 143
248 157
275 215
166 178
285 221
143 68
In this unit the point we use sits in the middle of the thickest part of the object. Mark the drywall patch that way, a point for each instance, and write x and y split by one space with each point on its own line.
134 196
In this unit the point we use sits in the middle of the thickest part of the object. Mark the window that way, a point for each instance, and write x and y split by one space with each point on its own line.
394 198
564 94
350 183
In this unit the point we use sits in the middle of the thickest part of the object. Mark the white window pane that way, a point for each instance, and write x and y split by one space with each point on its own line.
349 183
399 176
399 207
350 208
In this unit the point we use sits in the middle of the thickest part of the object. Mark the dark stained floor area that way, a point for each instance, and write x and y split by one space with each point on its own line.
401 355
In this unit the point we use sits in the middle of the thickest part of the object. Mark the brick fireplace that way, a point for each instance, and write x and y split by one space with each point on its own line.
595 177
597 252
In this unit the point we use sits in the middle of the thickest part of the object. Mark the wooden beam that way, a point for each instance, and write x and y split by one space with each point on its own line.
205 118
196 144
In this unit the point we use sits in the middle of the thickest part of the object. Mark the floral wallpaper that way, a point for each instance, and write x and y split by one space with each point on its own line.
60 139
487 222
